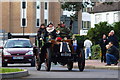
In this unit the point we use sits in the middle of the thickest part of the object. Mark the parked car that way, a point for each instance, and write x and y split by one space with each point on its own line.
17 50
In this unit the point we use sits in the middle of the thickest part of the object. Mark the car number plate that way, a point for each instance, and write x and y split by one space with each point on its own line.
16 57
65 54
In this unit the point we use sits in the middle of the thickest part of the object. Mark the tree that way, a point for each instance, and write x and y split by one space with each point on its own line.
116 27
74 6
95 34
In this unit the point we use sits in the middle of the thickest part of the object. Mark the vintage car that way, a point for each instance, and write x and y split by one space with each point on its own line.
62 52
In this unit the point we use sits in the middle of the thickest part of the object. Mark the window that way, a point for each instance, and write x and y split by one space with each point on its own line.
23 5
116 17
84 9
23 13
45 5
23 22
38 13
45 21
107 17
38 7
97 18
86 24
38 22
38 4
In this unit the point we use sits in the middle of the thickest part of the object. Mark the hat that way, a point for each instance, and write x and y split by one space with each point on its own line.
58 39
112 31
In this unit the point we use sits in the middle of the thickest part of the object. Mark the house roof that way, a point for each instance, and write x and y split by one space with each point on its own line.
115 6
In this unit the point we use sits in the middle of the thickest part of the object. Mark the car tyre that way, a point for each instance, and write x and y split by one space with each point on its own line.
70 65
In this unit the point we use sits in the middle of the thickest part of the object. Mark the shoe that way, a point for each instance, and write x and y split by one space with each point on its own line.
108 65
115 63
90 58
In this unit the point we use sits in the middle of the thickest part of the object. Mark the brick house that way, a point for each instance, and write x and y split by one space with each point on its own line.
14 16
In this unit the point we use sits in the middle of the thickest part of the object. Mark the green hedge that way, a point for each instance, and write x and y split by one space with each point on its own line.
96 52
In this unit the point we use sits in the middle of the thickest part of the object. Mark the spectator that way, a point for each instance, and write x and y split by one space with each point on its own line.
9 35
103 44
112 54
113 38
87 45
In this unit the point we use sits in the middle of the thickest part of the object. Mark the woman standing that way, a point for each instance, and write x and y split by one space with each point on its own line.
103 44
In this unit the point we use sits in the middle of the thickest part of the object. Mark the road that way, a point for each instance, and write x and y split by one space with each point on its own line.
57 71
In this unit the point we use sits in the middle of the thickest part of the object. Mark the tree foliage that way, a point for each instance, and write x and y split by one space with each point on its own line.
116 26
72 6
95 34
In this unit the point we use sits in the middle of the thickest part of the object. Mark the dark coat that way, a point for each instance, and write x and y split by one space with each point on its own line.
114 51
41 32
53 34
103 43
114 39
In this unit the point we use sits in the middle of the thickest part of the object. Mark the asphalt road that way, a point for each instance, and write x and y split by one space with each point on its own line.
57 71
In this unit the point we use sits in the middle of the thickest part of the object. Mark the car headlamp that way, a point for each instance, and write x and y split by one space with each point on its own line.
29 53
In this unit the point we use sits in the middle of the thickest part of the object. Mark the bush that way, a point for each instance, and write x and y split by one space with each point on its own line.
80 40
96 51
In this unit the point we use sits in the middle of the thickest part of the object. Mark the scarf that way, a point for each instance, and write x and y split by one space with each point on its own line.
50 29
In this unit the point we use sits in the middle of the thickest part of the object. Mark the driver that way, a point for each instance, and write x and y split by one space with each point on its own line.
50 32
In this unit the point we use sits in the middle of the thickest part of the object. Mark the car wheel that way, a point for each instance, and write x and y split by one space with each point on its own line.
38 62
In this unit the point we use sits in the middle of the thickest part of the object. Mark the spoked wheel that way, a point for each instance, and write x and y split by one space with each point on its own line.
37 61
81 62
70 65
48 60
33 62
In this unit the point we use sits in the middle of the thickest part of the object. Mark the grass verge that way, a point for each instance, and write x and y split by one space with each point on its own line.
9 70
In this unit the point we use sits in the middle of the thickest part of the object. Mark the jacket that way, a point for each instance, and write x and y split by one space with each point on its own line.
114 51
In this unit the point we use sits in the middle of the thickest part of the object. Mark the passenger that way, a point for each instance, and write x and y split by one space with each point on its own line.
64 31
40 34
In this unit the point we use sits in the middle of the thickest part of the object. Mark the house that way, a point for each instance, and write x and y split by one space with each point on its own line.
86 20
109 12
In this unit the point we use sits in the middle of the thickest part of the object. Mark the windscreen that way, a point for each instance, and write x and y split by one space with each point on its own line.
18 44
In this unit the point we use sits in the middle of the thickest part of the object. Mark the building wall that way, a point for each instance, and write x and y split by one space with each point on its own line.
103 17
0 16
10 18
54 12
5 16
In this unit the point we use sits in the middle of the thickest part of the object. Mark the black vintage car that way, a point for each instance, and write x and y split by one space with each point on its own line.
62 52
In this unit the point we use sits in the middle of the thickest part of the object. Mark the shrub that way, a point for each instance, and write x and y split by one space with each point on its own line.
96 51
80 40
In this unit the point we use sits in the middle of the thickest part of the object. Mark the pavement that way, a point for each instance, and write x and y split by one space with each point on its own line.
96 64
